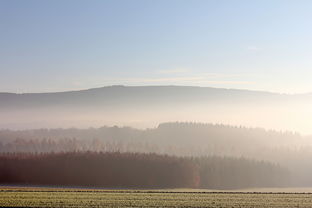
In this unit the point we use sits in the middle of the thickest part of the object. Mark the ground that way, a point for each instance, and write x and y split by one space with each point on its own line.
74 197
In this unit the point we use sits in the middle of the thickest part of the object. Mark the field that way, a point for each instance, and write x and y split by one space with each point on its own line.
56 197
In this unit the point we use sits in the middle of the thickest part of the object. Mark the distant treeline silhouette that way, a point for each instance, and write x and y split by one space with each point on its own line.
180 139
137 170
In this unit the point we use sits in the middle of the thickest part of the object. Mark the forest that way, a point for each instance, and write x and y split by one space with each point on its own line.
176 138
137 170
228 150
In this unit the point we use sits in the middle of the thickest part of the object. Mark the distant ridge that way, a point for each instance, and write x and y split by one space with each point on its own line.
147 106
150 86
128 96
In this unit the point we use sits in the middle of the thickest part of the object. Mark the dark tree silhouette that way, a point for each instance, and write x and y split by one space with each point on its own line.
133 170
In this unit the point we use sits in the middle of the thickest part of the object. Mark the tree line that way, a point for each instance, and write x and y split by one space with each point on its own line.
180 139
137 170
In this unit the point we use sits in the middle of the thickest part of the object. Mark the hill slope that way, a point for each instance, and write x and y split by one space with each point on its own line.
148 106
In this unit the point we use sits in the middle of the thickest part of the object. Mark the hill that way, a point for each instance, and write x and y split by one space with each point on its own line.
147 106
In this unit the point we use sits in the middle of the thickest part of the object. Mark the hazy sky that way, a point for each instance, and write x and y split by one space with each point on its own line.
66 45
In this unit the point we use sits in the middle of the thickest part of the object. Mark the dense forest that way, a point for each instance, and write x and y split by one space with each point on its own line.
134 170
290 150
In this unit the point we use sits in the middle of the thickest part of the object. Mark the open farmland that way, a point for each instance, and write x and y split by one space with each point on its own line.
53 197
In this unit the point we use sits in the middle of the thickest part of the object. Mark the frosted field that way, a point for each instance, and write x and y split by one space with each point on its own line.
57 197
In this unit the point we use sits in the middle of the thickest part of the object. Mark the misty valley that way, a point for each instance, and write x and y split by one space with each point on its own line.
38 146
155 146
197 155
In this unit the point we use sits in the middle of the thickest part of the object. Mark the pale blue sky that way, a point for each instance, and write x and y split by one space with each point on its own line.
68 45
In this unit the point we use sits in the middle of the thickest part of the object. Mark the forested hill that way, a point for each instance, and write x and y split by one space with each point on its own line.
128 96
147 106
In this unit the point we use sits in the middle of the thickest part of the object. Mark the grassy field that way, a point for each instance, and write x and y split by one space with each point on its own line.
56 197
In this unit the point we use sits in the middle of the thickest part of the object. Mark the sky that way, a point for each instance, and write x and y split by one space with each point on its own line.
55 45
